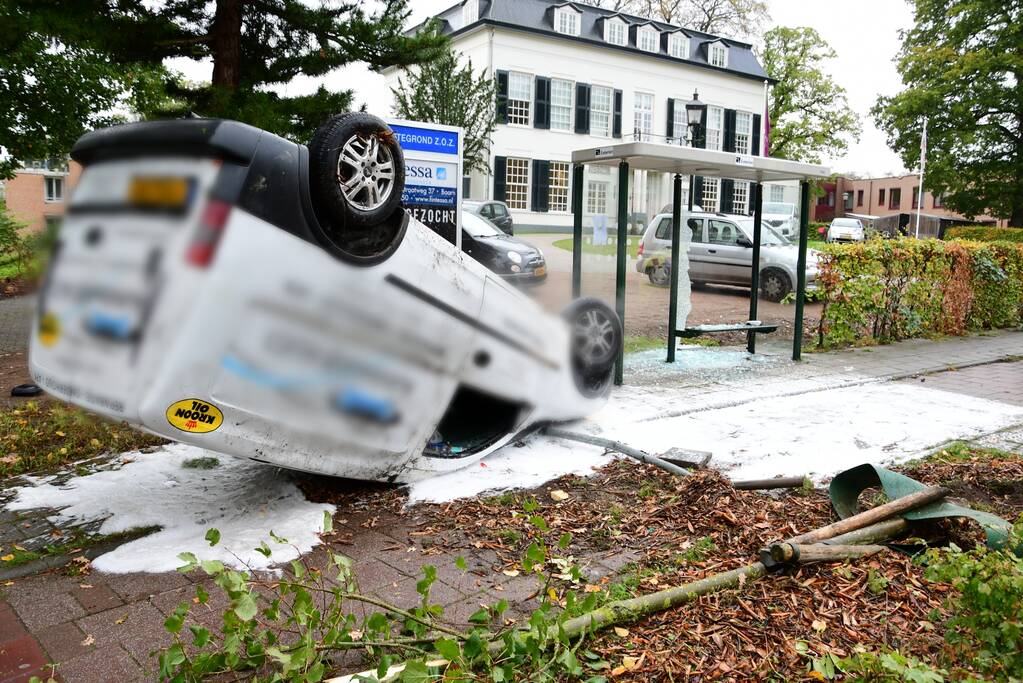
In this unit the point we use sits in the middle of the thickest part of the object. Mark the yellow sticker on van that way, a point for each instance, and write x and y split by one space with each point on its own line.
194 416
49 329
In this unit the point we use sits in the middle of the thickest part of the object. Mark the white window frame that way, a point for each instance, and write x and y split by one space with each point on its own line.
777 193
616 28
678 46
601 115
710 200
53 189
714 136
743 132
520 111
717 55
563 109
647 40
567 21
740 197
597 193
680 124
642 118
522 168
559 186
470 12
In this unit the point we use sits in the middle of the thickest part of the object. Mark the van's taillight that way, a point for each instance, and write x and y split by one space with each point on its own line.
639 252
211 228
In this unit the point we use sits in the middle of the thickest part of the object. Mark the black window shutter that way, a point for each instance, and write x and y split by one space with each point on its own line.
540 194
582 108
726 200
616 126
500 178
756 136
698 190
502 97
671 119
542 108
729 132
700 136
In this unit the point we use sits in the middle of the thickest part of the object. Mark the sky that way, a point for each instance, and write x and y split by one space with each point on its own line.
865 36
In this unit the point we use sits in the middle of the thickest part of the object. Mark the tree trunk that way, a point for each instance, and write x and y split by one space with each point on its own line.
227 45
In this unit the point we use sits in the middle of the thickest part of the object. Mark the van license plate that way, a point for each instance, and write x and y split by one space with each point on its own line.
159 192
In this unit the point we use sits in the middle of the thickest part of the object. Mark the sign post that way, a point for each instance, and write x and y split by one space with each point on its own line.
433 175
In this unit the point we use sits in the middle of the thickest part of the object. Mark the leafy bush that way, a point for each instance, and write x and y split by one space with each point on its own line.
985 233
986 627
15 250
881 291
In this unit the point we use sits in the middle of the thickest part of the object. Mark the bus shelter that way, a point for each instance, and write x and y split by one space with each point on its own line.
693 161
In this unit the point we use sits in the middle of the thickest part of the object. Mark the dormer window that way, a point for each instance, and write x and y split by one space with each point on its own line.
678 46
566 20
615 32
470 12
646 39
718 55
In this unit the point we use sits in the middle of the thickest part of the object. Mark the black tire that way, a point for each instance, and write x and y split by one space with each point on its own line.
592 364
775 284
659 274
357 171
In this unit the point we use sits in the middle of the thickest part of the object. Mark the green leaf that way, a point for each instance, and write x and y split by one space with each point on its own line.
539 522
460 563
480 616
212 567
200 636
213 536
328 522
174 622
448 649
190 560
245 607
565 540
416 672
263 549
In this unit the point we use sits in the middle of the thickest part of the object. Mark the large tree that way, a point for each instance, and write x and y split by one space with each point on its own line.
441 91
730 18
962 66
255 47
810 116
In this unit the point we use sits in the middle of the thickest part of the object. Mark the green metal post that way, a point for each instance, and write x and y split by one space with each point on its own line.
758 219
676 238
804 229
577 230
623 245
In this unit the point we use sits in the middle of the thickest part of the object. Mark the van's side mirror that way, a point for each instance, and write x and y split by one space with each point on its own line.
744 242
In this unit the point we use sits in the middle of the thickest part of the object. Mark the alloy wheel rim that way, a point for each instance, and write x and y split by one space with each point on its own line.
365 172
594 334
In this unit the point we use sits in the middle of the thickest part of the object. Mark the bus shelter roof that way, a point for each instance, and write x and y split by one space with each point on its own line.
660 156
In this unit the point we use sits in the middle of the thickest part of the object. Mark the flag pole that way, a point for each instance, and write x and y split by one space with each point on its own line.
920 190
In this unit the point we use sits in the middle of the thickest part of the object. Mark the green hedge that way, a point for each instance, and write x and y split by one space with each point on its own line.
881 291
984 233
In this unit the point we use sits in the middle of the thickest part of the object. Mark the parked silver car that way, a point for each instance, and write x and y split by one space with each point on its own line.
721 253
495 212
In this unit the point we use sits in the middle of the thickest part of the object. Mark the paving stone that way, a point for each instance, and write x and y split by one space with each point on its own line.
109 664
96 599
47 610
374 574
21 657
142 585
138 626
11 627
64 641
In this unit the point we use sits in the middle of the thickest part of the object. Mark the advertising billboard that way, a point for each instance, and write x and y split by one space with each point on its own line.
433 175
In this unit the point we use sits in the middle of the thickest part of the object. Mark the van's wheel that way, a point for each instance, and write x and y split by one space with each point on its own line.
775 285
356 178
659 274
596 339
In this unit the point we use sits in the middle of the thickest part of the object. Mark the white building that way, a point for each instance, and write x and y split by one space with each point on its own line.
571 76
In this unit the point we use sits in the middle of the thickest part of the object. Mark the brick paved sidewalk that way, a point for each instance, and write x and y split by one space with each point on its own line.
103 627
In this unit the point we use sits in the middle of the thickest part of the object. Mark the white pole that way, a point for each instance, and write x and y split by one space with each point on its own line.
763 123
920 190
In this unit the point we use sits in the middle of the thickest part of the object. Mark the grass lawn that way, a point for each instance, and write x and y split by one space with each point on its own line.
604 250
43 437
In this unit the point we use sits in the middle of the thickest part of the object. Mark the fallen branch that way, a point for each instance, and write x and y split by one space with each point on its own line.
764 484
819 552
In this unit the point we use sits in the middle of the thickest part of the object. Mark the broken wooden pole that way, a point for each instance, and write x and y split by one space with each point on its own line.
765 484
788 553
868 517
618 447
882 531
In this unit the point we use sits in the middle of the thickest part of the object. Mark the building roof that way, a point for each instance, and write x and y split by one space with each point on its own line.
536 16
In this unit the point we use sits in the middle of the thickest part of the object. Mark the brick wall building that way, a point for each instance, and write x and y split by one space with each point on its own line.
38 193
881 197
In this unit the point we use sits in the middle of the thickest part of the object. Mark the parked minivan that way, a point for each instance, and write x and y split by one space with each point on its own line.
721 252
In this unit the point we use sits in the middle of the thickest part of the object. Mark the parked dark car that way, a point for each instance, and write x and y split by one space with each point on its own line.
495 212
511 258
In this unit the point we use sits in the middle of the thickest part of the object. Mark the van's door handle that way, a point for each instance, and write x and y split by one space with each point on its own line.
712 251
